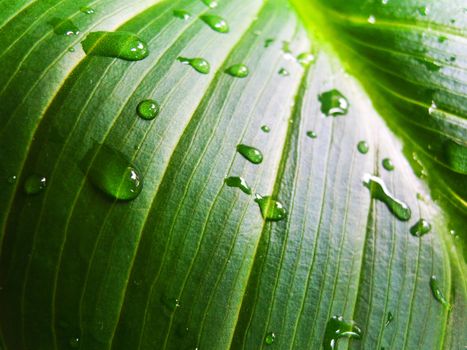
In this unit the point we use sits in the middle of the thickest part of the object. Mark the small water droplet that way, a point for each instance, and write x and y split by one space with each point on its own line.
433 107
423 10
269 339
311 134
74 342
305 59
71 49
199 64
442 38
363 147
379 191
112 173
337 328
268 42
238 70
387 164
333 103
420 228
211 3
170 303
437 293
87 10
286 47
182 14
148 109
252 154
238 182
64 26
34 184
371 19
12 179
389 319
216 23
283 72
271 209
265 128
124 45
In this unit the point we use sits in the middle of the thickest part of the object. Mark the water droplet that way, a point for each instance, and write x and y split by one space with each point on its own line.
268 42
71 49
112 173
437 293
363 147
87 10
182 14
64 26
148 109
305 59
371 19
283 72
34 184
238 70
333 103
311 134
337 328
389 319
269 339
170 303
124 45
265 128
421 227
423 10
387 164
216 23
252 154
379 191
442 38
239 182
271 209
384 2
210 3
74 342
12 179
199 64
286 47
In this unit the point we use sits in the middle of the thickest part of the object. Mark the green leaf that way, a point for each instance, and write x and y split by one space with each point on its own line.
120 232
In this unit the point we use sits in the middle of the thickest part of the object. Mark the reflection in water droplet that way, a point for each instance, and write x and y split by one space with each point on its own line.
64 26
333 103
74 342
252 154
311 134
216 23
199 64
363 147
305 59
148 109
112 173
124 45
283 72
34 184
389 319
211 3
238 182
87 10
271 210
269 339
12 179
268 42
437 293
182 14
265 128
371 19
337 328
420 228
379 191
238 70
387 164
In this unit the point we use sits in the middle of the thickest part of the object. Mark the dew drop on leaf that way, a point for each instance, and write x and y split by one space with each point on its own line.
268 42
337 328
437 293
271 209
265 128
389 319
239 182
420 228
210 3
124 45
148 109
12 179
238 70
74 342
199 64
34 184
305 59
379 191
182 14
363 147
371 19
216 23
333 103
269 339
87 10
283 72
252 154
387 164
311 134
64 27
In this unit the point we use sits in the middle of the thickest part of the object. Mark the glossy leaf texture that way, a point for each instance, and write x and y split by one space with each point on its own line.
185 261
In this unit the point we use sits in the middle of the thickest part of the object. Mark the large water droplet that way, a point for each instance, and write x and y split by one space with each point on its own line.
305 59
216 23
148 109
389 319
87 10
337 328
311 134
269 338
211 3
112 173
252 154
238 70
421 227
333 103
34 184
265 128
437 293
283 72
64 26
379 191
182 14
271 209
124 45
199 64
239 182
363 147
387 164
